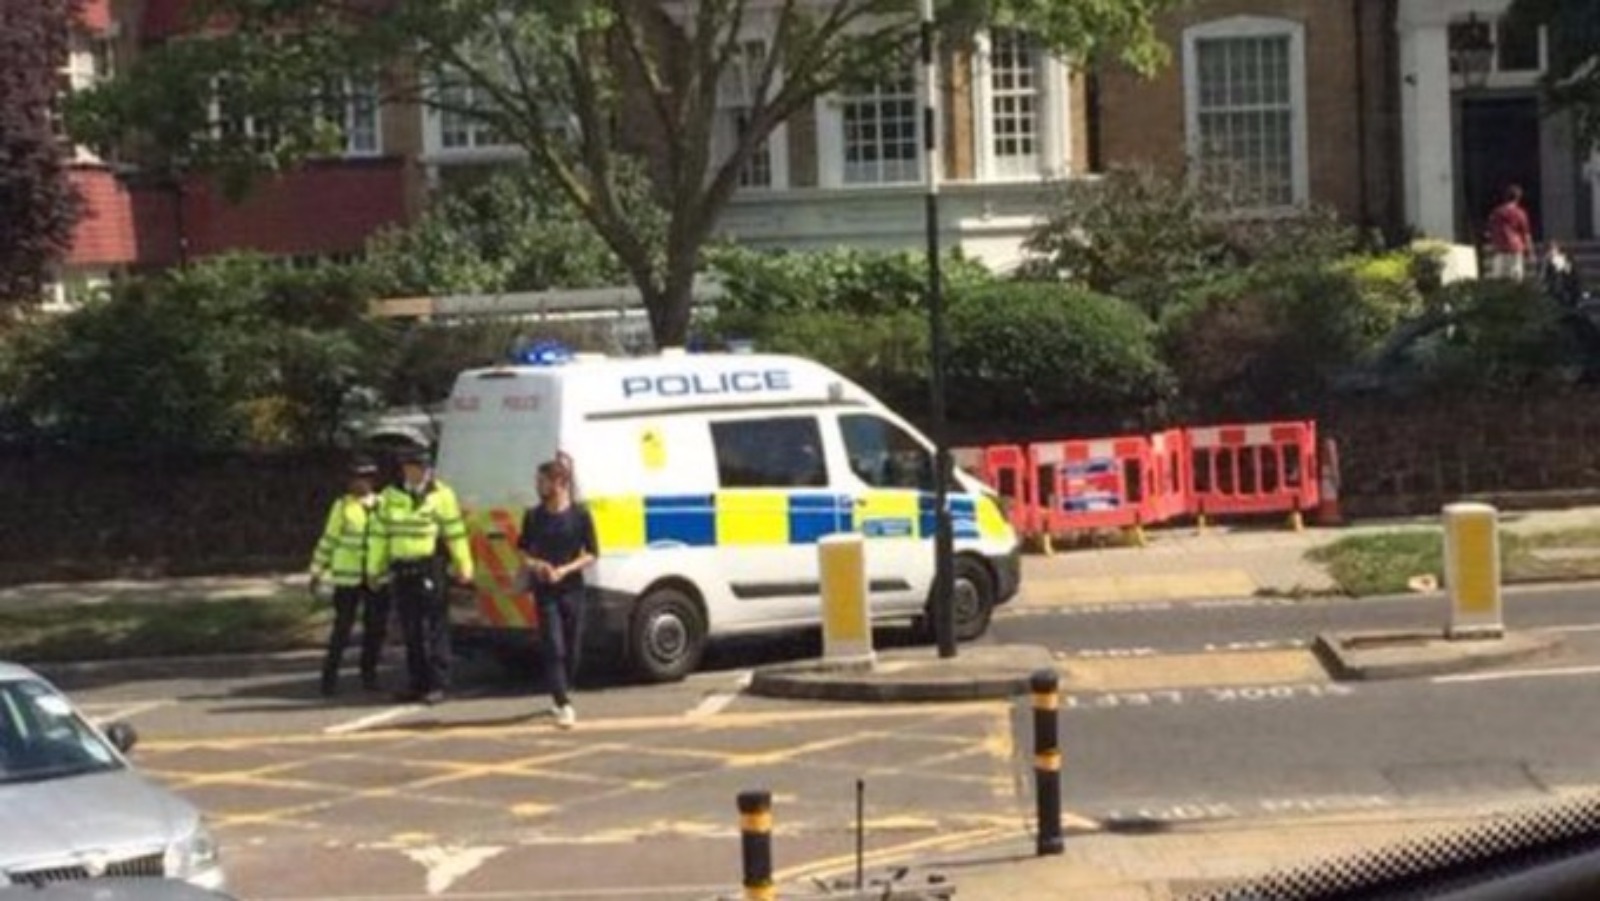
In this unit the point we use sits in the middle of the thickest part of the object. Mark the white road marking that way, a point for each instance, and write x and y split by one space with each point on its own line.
718 701
1517 674
370 720
446 865
1588 627
114 712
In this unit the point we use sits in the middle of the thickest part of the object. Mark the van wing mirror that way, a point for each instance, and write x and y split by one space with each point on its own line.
122 736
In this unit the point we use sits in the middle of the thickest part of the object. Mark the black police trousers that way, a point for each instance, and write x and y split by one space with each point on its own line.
420 599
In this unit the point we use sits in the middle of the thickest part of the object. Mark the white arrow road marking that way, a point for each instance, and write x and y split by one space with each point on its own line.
718 701
445 865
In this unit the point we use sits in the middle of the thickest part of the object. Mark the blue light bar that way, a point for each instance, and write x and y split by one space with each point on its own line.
544 353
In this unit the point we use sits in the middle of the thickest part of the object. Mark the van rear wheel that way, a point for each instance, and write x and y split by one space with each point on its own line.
668 635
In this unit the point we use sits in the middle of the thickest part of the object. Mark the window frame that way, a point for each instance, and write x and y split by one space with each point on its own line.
776 144
821 481
930 461
1245 28
1049 123
832 167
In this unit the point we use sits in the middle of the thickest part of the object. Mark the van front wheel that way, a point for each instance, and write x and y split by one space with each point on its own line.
973 599
668 635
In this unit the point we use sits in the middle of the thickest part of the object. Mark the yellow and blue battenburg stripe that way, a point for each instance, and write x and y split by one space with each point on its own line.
735 518
753 518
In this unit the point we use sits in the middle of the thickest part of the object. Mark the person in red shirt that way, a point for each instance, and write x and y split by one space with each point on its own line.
1510 237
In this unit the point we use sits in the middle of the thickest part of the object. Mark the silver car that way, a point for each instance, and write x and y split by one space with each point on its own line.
73 808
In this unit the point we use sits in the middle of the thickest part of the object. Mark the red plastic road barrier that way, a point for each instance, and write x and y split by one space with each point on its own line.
1167 478
1004 468
1249 469
1087 484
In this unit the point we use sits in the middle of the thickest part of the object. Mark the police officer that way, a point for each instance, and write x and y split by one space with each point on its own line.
420 533
347 558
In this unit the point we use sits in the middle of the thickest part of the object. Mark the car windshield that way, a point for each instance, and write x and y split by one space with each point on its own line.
42 737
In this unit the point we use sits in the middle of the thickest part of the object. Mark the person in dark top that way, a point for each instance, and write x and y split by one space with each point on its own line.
557 542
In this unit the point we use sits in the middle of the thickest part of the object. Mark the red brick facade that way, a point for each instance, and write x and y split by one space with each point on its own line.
324 208
1350 110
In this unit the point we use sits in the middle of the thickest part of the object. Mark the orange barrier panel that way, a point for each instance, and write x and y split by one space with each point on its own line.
1005 469
1087 484
1252 469
1168 486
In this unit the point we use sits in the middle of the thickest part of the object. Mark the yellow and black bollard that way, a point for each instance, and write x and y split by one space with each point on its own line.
755 838
1046 686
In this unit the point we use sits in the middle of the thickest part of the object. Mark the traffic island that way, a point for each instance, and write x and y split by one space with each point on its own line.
978 672
1409 655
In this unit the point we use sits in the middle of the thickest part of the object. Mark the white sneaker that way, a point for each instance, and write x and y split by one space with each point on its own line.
566 717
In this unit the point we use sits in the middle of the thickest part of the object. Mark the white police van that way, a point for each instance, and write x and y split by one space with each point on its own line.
710 478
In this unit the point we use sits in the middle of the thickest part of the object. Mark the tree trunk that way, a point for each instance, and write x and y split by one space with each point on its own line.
671 309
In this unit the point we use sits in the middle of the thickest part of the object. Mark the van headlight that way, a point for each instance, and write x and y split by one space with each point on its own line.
195 860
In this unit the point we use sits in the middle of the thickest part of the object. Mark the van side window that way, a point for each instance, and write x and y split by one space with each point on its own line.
783 452
883 455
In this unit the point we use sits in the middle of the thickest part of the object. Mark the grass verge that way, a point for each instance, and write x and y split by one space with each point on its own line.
1384 563
127 629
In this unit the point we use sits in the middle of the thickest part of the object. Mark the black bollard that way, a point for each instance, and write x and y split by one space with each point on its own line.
1046 686
755 839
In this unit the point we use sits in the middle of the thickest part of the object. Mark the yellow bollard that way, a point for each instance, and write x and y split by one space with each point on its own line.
1136 536
846 614
1048 544
1472 571
1297 521
1201 524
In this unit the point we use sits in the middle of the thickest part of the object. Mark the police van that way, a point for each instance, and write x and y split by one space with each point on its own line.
710 478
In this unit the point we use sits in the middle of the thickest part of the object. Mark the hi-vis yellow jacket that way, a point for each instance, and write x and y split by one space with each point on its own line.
410 528
347 554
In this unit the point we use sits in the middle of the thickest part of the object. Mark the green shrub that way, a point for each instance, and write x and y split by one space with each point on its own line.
1506 335
887 353
232 352
1023 349
846 280
1149 238
1269 342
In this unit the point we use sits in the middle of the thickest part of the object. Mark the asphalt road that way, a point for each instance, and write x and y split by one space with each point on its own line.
483 798
1198 752
1199 626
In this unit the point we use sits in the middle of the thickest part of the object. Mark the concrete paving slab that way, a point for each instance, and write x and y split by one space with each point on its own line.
1182 670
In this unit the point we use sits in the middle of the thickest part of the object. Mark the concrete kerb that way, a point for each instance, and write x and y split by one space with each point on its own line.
1367 656
164 667
981 672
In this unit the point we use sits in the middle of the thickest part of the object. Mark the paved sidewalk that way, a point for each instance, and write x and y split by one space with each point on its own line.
1170 865
1179 563
1225 561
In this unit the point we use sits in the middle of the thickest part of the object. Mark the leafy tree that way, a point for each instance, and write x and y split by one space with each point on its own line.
508 232
1573 79
37 204
583 88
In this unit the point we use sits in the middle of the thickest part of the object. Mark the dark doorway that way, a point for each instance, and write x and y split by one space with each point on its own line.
1500 146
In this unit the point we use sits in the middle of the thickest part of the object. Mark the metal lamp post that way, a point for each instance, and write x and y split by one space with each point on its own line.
944 627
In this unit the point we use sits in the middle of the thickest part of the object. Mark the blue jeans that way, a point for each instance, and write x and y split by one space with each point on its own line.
560 636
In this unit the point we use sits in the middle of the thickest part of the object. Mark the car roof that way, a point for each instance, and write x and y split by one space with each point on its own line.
13 672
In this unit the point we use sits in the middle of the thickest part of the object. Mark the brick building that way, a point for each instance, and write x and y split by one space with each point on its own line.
132 221
1363 105
850 172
